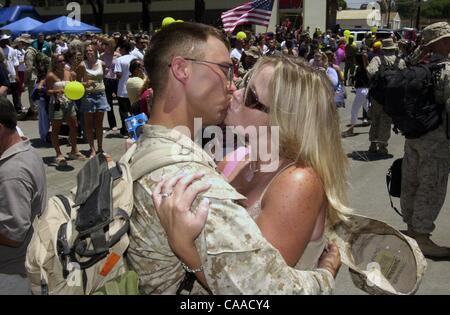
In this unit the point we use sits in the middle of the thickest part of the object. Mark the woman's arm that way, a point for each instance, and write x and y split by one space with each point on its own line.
183 226
290 209
49 83
187 225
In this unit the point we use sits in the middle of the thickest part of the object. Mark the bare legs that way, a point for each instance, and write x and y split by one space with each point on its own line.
94 121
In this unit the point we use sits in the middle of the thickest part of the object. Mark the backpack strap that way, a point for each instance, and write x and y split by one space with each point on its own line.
397 63
160 158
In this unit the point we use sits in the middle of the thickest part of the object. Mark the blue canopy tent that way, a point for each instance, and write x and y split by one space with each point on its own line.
66 25
17 12
22 26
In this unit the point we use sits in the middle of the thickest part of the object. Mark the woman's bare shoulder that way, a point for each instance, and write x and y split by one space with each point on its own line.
296 185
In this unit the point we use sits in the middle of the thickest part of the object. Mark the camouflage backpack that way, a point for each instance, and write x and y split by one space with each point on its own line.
42 64
79 241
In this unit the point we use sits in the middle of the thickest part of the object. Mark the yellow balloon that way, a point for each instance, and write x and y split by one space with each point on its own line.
241 36
74 90
167 21
179 21
347 33
374 29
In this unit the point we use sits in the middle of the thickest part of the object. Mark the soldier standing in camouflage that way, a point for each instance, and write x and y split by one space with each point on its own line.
426 161
380 129
192 76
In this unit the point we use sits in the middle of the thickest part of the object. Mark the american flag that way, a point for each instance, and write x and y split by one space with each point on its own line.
255 12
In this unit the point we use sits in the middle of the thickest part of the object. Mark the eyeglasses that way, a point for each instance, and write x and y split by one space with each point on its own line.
251 100
229 68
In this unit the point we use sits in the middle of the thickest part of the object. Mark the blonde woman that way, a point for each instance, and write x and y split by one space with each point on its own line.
294 205
94 103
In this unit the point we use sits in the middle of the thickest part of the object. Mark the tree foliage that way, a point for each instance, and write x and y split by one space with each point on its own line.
436 9
406 8
342 4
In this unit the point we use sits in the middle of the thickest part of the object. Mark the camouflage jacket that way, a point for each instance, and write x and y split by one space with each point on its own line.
237 259
30 68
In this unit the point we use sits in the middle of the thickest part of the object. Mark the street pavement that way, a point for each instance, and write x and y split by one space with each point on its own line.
367 189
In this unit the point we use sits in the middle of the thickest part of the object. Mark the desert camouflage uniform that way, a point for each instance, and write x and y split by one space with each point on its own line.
380 128
30 76
236 258
425 165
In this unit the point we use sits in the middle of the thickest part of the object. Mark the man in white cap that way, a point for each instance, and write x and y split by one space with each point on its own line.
426 161
380 128
12 64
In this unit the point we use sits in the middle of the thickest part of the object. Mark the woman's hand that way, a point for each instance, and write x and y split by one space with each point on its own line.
331 260
173 199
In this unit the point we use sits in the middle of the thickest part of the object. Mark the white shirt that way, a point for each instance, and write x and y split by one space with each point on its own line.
21 57
236 54
62 49
138 54
123 66
11 62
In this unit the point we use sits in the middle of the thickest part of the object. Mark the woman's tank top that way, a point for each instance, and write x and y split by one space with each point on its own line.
95 75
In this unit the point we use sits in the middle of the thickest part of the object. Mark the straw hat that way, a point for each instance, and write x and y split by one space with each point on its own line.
25 38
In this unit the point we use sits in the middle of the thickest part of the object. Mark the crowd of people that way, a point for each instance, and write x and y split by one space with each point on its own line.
252 232
46 64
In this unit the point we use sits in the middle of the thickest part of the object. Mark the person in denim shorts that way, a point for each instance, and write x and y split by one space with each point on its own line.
94 104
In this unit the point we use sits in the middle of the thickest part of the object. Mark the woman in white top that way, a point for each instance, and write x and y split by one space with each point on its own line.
294 204
94 103
60 107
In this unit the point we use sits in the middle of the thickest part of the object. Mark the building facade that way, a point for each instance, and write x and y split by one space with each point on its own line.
124 15
350 19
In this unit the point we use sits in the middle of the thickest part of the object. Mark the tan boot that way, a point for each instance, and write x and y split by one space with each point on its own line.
428 247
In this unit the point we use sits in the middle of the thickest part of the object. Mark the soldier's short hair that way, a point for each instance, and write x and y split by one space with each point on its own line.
8 116
177 39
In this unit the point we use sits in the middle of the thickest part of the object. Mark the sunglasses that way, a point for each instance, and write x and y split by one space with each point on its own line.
228 69
251 99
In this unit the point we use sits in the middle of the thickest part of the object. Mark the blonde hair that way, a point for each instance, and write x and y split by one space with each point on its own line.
303 107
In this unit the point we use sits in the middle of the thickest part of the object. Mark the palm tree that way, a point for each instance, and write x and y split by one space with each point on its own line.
199 10
332 6
146 14
97 10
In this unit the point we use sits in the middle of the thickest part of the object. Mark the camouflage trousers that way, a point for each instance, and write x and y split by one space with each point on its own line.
30 85
424 180
380 128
